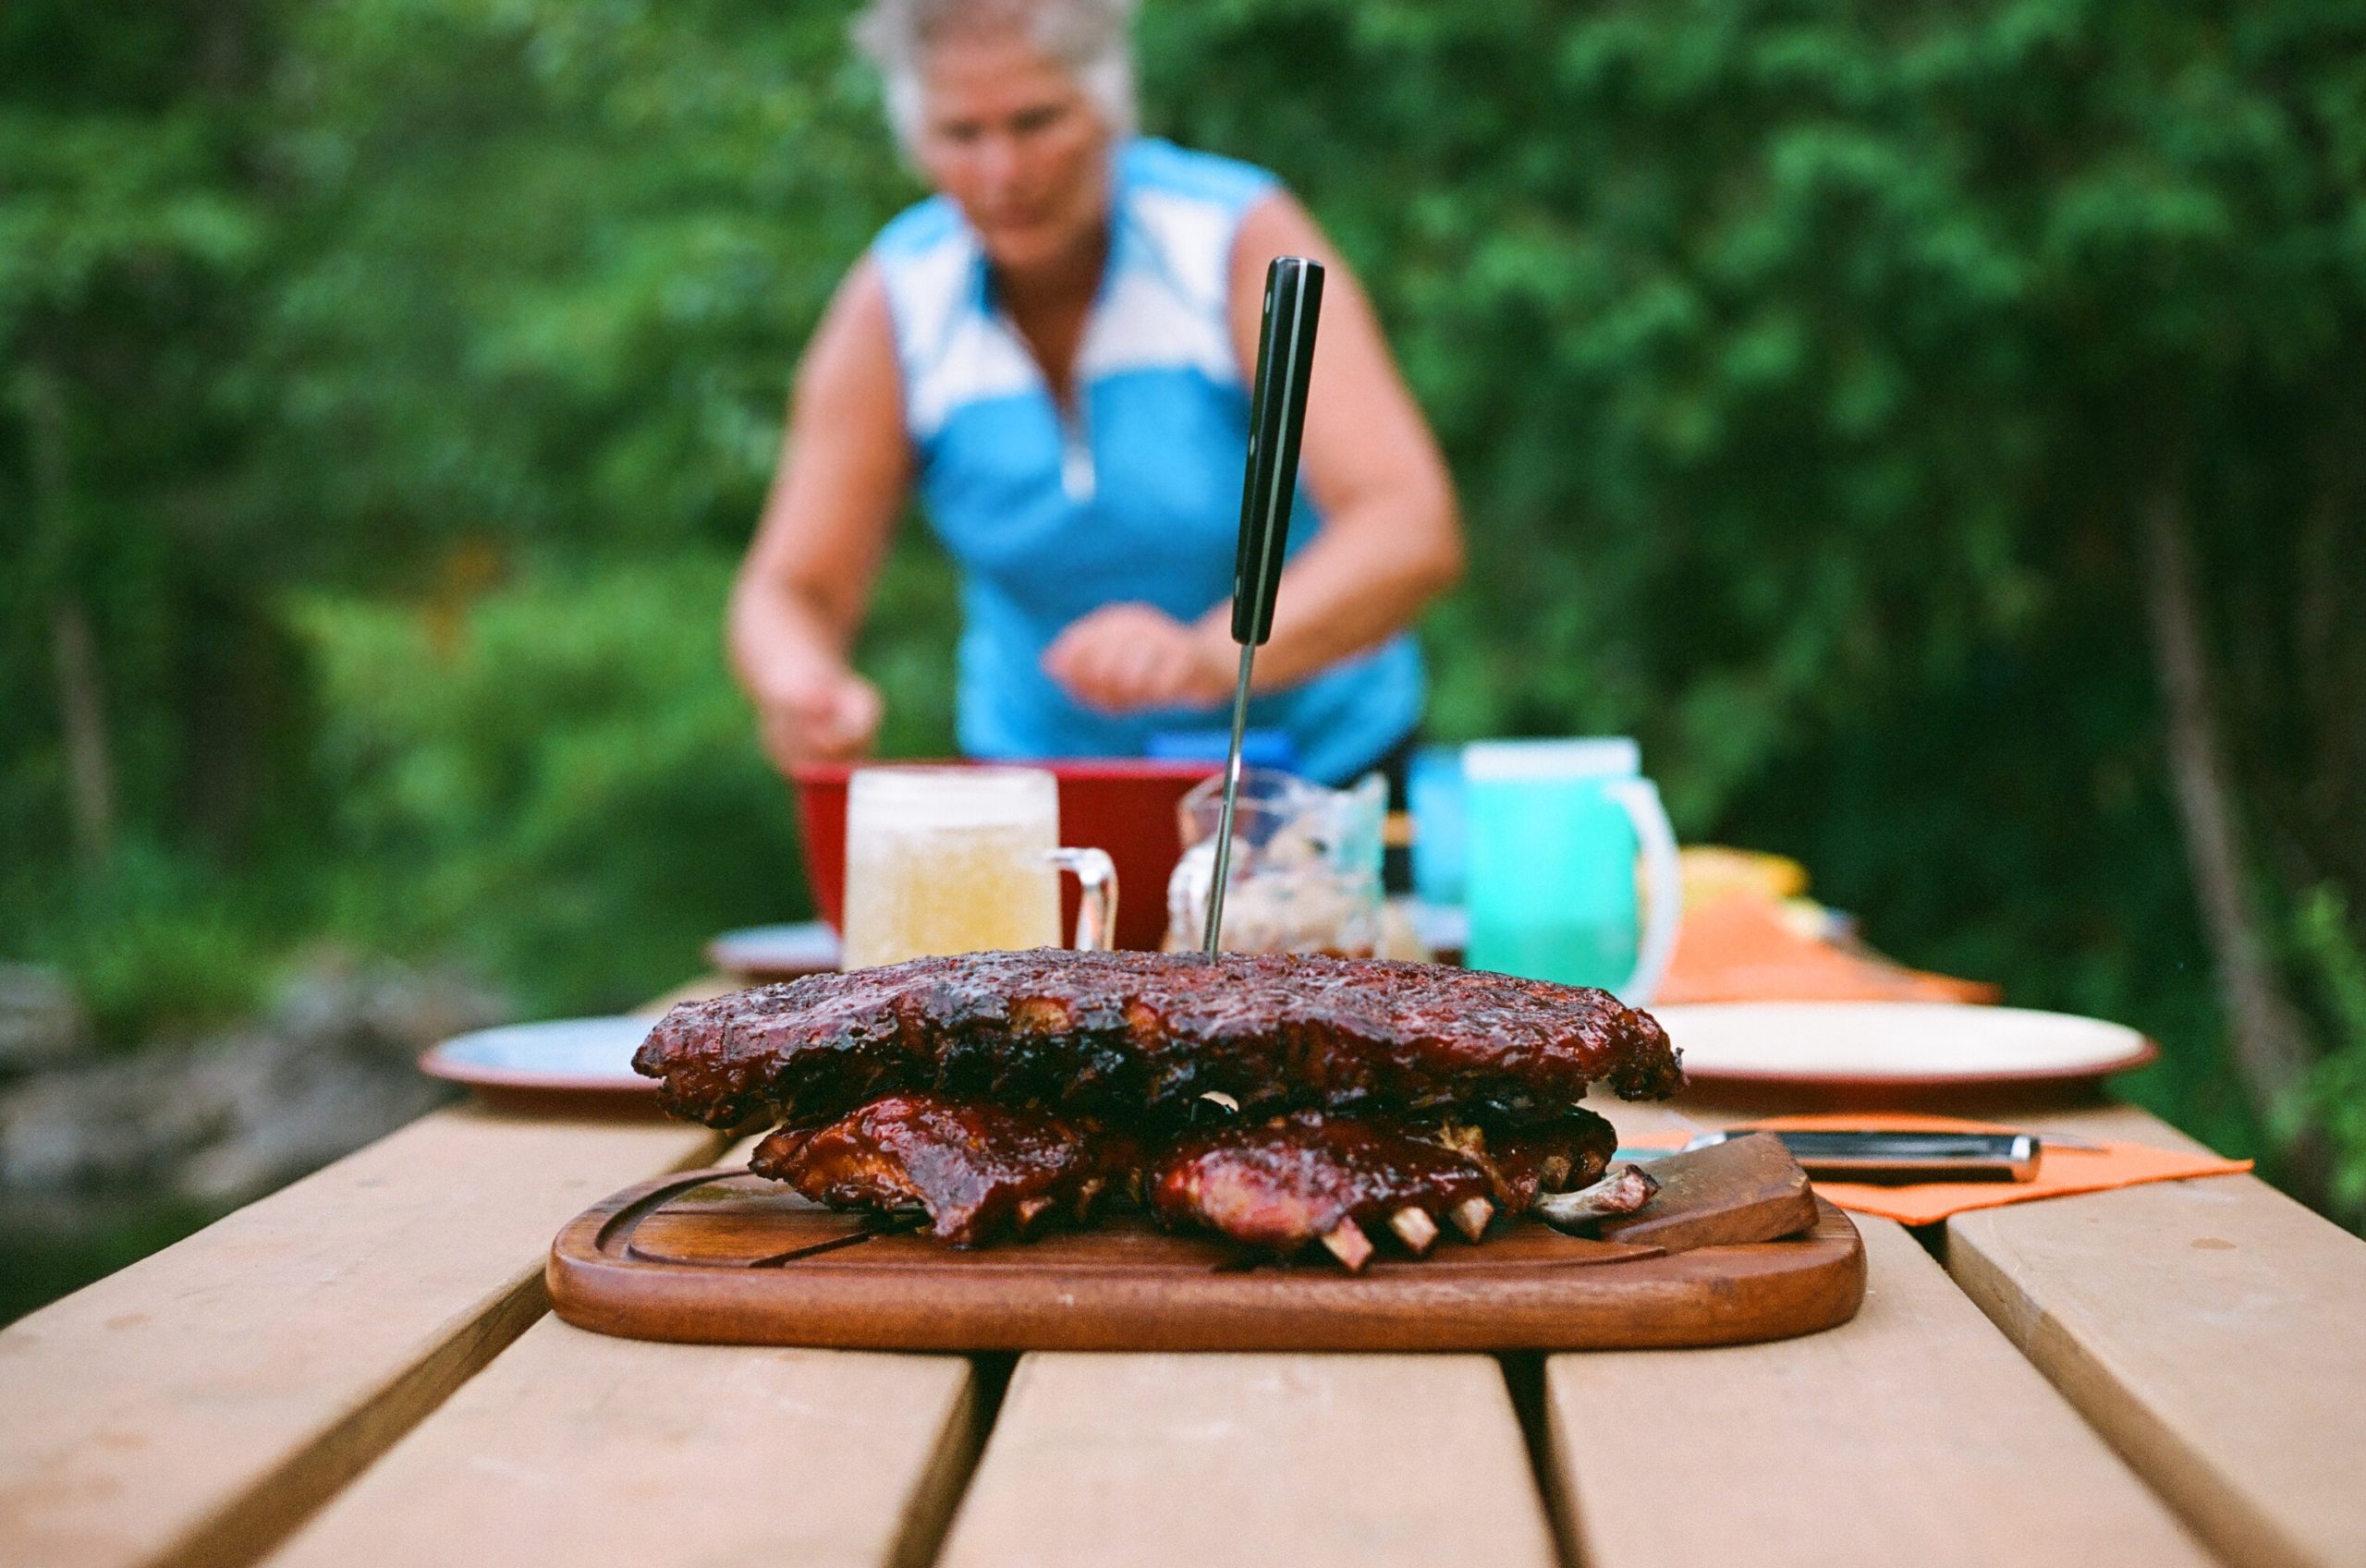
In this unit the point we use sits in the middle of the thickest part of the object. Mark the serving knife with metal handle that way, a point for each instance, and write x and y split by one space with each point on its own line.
1277 421
1900 1157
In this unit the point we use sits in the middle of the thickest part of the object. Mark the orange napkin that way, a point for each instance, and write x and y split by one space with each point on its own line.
1738 946
2061 1169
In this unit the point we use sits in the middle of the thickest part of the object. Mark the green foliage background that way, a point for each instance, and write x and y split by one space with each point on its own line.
391 384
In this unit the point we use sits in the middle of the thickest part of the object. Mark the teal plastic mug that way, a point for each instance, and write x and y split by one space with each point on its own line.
1554 830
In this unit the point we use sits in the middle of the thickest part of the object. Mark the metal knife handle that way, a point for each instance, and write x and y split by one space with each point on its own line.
1867 1156
1277 420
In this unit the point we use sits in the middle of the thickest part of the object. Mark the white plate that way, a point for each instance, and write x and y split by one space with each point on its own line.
810 947
1895 1043
558 1057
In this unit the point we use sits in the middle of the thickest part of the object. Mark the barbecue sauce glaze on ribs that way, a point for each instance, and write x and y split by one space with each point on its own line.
977 1168
1139 1037
1281 1184
1306 1177
1002 1091
980 1170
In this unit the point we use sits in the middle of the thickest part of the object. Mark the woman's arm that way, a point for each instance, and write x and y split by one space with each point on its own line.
1391 540
801 592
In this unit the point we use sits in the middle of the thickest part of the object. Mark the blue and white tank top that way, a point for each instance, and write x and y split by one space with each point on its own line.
1136 497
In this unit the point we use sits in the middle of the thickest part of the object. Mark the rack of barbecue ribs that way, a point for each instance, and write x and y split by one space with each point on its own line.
1280 1100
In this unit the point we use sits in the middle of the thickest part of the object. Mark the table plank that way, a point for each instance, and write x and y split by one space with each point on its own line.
1199 1461
2214 1329
192 1408
1913 1434
583 1450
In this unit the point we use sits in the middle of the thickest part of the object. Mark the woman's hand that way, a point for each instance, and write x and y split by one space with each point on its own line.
1126 656
817 714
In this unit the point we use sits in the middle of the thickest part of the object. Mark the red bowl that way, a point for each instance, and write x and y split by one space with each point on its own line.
1125 807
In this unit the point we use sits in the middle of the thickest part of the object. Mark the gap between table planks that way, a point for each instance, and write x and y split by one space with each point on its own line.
1131 1461
2214 1330
575 1448
193 1407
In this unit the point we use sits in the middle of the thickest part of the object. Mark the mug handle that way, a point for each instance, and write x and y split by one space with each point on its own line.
1096 917
1664 874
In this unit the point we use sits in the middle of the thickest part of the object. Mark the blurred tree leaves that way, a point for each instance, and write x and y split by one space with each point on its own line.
1806 367
556 265
408 372
553 779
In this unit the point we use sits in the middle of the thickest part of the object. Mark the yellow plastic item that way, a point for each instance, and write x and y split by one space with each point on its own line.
1713 870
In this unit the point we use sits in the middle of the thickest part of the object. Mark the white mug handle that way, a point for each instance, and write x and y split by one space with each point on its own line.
1663 880
1096 916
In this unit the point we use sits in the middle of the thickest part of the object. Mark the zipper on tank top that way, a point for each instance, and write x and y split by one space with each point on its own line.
1078 479
1077 476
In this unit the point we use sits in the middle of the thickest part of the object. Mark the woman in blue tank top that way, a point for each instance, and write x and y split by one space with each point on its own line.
1052 350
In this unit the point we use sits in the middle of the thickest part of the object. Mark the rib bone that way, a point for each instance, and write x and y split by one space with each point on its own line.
1470 1217
1624 1190
1348 1244
1415 1228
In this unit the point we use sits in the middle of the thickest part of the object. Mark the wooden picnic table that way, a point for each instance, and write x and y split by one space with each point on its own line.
361 1369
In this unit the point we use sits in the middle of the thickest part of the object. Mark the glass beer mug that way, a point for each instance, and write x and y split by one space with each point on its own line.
944 860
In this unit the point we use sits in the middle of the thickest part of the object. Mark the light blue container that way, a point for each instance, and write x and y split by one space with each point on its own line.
1554 829
1433 794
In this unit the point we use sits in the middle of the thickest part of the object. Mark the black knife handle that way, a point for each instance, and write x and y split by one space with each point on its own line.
1277 420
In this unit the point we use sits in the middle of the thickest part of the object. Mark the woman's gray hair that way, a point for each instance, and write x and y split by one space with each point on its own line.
1090 37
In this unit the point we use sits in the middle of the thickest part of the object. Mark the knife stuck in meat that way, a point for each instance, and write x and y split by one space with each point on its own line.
1277 423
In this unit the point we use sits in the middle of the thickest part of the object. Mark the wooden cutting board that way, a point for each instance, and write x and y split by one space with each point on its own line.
722 1257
